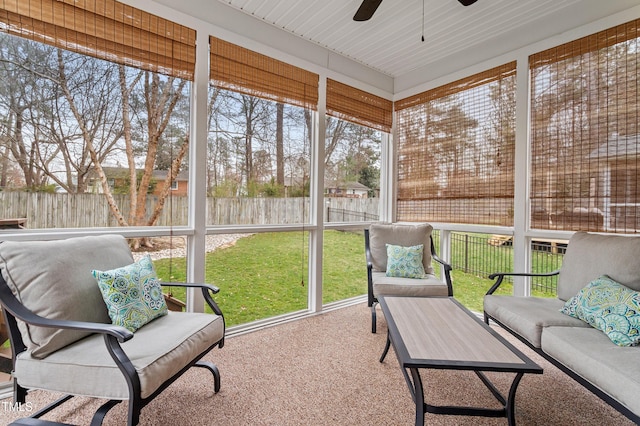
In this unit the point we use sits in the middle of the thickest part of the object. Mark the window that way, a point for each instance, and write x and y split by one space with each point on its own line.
456 151
93 74
260 119
260 135
356 124
585 133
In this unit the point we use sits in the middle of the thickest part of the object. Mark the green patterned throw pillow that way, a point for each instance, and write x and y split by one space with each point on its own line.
405 262
132 293
610 307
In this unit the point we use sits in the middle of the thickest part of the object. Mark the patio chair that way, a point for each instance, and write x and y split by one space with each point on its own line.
77 324
405 274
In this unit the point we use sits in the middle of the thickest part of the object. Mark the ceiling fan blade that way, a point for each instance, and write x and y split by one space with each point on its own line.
366 10
467 2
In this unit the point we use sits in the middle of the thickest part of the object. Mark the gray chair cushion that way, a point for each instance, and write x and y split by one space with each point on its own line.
430 285
53 279
527 316
405 235
157 351
591 354
590 256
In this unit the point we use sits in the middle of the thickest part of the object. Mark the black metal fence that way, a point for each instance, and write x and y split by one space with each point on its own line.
344 215
482 255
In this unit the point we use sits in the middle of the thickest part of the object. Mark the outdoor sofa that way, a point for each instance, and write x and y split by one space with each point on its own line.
85 319
597 304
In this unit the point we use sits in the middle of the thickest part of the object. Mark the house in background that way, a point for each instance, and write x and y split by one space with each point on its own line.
118 179
178 187
617 179
347 190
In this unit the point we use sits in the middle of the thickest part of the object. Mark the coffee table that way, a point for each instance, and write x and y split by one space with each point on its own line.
440 333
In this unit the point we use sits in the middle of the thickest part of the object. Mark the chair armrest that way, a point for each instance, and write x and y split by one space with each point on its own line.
447 272
442 262
210 287
367 250
367 254
446 267
207 291
17 309
499 277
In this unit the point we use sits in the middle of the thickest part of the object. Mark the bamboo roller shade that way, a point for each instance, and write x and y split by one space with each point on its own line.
357 106
105 29
461 85
242 70
591 43
444 166
597 135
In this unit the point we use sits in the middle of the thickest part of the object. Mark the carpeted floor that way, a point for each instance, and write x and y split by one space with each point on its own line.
324 370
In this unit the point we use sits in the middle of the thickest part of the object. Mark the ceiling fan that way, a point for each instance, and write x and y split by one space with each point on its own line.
368 8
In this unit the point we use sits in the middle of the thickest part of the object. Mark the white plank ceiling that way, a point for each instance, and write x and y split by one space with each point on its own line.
391 42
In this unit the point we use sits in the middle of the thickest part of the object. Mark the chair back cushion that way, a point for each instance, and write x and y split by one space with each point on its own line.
53 279
590 256
405 235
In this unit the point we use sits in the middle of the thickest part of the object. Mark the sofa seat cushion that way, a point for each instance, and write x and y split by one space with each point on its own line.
157 351
590 353
527 316
53 279
430 285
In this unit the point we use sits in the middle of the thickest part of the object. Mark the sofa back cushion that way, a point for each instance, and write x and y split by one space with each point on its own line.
53 279
590 256
405 235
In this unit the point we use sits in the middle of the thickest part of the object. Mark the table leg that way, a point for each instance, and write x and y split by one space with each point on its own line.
386 348
511 401
418 396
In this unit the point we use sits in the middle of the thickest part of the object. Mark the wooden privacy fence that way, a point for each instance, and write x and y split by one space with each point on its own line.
44 210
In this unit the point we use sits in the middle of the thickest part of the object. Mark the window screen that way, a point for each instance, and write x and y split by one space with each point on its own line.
456 149
584 133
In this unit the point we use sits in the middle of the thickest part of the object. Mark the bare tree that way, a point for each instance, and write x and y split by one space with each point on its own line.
20 104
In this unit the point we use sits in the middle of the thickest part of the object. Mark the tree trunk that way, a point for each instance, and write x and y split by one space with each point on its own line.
279 144
171 176
128 139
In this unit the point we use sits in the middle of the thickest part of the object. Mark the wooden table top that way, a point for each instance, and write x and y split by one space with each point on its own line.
438 332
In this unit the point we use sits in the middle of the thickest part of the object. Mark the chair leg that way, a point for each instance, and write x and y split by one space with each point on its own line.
55 404
19 393
214 370
101 412
373 317
135 406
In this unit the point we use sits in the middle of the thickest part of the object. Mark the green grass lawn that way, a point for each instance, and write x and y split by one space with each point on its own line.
265 275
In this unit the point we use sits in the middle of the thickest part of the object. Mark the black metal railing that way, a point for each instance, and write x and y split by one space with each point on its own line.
482 255
343 215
